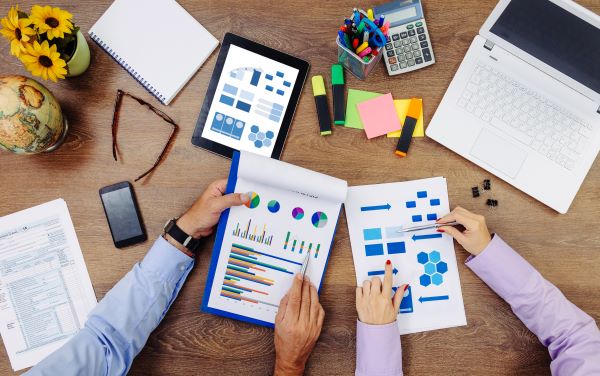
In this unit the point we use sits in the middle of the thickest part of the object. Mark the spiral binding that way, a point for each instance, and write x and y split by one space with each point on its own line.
128 68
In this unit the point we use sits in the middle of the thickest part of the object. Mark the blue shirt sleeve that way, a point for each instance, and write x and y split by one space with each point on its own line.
119 326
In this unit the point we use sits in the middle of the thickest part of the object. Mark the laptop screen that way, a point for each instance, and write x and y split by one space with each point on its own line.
555 36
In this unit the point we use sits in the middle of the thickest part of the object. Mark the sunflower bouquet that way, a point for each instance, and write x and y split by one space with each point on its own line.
44 41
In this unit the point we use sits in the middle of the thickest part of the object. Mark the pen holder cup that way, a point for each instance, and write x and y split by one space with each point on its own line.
355 64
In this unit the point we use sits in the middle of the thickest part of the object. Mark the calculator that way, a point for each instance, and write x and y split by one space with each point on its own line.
408 46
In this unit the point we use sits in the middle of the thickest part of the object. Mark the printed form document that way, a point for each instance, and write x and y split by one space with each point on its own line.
45 290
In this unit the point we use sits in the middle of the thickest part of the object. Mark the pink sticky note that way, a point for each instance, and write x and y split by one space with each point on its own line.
379 116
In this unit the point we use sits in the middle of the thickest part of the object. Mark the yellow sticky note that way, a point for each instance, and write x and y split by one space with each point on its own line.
402 108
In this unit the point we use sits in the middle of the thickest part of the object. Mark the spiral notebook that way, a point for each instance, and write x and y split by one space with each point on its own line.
158 42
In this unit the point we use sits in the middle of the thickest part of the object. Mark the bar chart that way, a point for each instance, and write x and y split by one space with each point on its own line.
253 233
301 246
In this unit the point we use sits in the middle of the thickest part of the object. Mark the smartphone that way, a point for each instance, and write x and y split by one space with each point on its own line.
123 214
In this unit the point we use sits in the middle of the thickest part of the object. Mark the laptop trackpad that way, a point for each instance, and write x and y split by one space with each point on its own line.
499 153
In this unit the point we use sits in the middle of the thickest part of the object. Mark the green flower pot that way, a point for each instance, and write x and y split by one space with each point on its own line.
80 61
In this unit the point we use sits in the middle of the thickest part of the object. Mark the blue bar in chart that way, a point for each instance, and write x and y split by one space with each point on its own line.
228 126
422 194
230 89
226 100
255 78
372 234
269 110
396 247
374 249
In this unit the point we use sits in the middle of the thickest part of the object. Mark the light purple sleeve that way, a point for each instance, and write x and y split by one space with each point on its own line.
572 336
378 351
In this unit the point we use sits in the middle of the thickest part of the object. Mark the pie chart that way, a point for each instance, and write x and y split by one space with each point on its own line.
254 200
298 213
319 219
273 206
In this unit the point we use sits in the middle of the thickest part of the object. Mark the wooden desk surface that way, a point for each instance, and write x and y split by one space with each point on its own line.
564 248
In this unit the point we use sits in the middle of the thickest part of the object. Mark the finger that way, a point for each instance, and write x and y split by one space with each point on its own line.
387 279
282 307
458 216
375 285
320 318
314 303
227 201
305 305
454 232
398 296
218 187
295 298
366 288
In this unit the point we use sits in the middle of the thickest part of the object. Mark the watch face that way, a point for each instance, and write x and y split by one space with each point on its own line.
169 225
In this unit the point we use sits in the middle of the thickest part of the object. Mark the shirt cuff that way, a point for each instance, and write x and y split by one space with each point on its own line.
378 350
501 268
166 261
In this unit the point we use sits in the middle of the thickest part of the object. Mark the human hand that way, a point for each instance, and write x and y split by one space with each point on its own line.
297 327
373 302
476 235
200 219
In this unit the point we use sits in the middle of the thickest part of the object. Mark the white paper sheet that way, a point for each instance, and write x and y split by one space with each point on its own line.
424 259
284 191
45 290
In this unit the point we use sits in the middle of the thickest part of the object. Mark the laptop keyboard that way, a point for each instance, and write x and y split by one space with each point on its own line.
526 115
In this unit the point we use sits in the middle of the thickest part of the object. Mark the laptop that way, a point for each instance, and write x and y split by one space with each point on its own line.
525 102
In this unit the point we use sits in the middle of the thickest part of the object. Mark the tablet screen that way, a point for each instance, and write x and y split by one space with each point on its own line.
250 101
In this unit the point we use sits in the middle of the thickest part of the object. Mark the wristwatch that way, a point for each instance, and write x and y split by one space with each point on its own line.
174 231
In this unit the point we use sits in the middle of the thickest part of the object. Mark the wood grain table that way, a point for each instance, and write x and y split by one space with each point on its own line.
565 248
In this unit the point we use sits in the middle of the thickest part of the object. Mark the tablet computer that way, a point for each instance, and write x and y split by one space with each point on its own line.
251 99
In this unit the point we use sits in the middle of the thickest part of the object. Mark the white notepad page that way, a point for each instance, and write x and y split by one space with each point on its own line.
157 41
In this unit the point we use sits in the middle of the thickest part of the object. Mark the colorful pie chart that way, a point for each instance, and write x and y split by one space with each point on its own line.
254 200
319 219
273 206
298 213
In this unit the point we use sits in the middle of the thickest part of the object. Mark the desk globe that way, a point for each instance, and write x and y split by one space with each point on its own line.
30 117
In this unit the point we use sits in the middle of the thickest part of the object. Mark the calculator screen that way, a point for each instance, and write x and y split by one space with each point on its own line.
403 14
555 36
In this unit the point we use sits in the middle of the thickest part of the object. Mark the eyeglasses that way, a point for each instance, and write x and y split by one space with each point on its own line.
115 126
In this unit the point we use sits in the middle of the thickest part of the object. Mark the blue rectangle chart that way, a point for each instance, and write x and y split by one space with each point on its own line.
228 126
269 110
372 234
374 249
396 247
406 305
255 78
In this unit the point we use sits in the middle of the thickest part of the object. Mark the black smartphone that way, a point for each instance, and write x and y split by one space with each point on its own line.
123 214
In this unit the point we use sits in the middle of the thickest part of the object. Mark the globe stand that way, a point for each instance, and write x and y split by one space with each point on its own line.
62 138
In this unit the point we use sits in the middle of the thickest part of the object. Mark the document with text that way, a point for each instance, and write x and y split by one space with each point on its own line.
45 289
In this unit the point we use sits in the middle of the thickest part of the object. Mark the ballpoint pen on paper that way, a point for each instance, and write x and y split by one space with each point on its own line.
305 264
427 227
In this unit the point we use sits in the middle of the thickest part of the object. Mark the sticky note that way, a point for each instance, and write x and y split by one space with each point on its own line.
402 109
379 116
355 97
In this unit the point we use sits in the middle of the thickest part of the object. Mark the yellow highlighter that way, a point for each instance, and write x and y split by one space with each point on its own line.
323 114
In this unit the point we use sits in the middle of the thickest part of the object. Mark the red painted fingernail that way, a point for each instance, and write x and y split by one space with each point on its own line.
440 230
439 219
388 262
405 287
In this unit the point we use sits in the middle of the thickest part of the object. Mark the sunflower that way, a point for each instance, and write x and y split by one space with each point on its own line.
44 61
52 21
17 31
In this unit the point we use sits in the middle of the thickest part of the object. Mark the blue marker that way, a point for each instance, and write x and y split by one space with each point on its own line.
381 20
341 36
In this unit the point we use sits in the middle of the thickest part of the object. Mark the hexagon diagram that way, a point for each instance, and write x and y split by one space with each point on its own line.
433 266
259 138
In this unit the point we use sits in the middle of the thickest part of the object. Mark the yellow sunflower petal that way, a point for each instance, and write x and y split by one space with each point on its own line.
37 69
60 63
28 59
15 48
13 16
51 74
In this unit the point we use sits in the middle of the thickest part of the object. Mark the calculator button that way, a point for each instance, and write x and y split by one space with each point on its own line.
424 44
417 53
393 60
394 67
409 55
397 44
399 51
406 48
406 42
413 39
411 62
388 46
409 26
403 34
390 53
411 33
395 37
419 24
387 39
420 30
419 60
422 37
403 64
415 46
401 57
426 54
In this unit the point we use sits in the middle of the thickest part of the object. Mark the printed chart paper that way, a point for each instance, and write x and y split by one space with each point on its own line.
423 259
250 101
45 290
261 246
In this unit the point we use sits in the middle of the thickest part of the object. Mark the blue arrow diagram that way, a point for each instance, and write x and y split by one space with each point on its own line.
381 272
416 237
433 298
376 207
